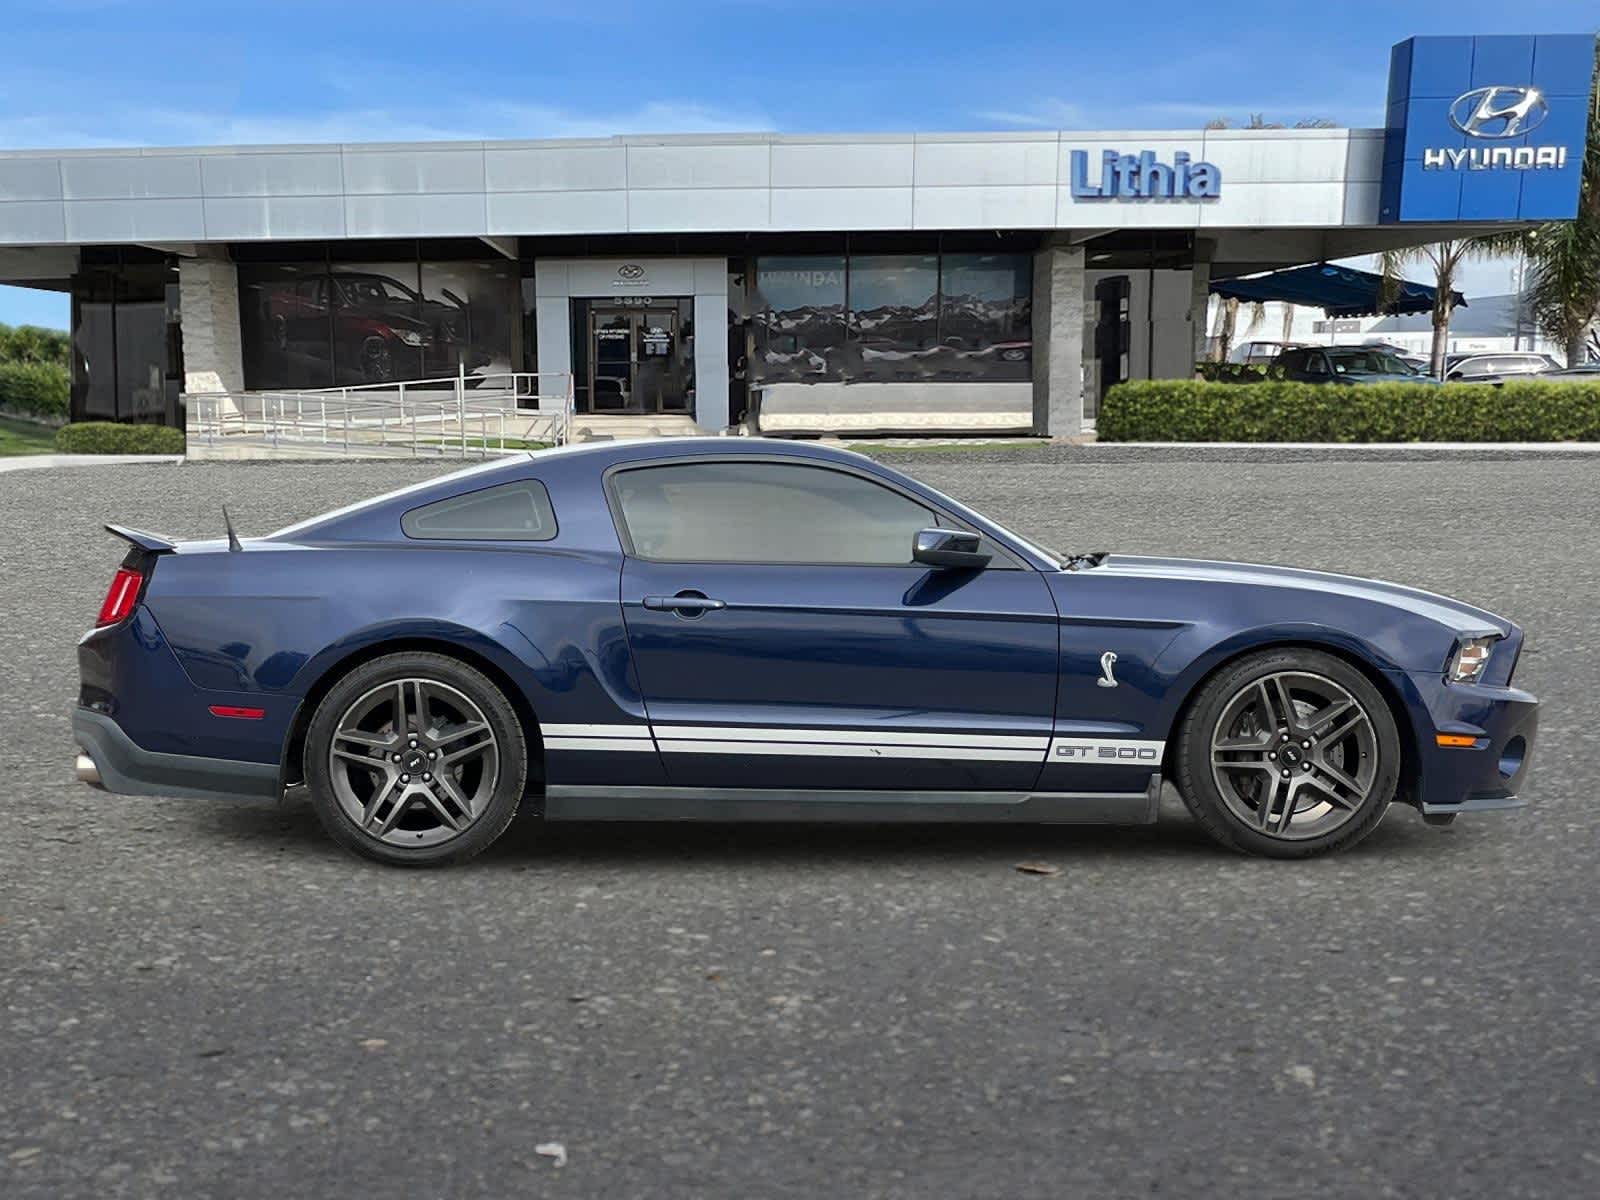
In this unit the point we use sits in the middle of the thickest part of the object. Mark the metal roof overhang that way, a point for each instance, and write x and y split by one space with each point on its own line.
1338 291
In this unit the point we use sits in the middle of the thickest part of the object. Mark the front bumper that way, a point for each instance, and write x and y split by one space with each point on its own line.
123 766
1488 775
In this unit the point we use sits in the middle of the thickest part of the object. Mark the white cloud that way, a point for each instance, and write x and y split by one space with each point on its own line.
1048 112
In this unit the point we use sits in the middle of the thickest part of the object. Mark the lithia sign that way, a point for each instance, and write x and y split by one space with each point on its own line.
1143 177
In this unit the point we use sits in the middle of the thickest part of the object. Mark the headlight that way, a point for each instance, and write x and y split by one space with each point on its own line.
1470 659
410 337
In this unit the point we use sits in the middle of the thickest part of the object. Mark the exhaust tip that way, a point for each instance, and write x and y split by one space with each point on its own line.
86 771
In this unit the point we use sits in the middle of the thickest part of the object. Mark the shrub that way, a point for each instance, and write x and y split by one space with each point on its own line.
32 344
108 437
1186 410
34 390
1227 372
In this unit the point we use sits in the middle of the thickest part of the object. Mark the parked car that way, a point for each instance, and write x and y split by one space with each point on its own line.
1586 373
738 629
1344 364
1496 366
1417 362
1259 353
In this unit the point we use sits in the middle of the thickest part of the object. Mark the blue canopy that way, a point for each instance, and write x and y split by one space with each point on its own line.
1338 291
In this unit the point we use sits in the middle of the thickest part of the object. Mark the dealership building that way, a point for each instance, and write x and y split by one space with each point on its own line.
981 282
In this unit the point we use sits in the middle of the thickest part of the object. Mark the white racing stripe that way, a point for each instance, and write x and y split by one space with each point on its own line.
851 750
877 737
807 742
598 743
596 731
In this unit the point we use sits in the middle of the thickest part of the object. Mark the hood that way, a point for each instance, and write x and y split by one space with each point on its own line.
1384 377
1462 619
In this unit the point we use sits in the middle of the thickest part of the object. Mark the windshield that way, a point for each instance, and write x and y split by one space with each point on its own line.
1369 362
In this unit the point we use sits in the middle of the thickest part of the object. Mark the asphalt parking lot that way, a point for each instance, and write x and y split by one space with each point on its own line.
210 999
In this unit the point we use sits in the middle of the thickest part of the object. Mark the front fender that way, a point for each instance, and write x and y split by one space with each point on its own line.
1196 652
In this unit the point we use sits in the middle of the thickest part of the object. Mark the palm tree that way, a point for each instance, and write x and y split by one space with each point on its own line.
1227 321
1564 256
1445 258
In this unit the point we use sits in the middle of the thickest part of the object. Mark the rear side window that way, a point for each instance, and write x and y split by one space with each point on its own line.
511 512
764 512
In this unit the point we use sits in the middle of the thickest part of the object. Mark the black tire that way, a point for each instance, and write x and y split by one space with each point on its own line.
1223 817
453 677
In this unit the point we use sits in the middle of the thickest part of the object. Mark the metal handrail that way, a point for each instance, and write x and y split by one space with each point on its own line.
389 417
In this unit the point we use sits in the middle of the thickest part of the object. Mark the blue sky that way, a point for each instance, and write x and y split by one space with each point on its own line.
157 72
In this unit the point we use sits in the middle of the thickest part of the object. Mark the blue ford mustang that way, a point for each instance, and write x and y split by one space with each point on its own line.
740 629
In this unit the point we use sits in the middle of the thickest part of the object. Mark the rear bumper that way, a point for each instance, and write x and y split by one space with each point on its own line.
123 766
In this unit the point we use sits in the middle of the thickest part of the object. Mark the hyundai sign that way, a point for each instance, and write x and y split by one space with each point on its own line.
1486 128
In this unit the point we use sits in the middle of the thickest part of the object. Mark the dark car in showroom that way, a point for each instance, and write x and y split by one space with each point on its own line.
382 330
738 629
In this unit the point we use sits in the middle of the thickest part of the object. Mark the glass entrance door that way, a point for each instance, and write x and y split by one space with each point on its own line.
611 361
638 361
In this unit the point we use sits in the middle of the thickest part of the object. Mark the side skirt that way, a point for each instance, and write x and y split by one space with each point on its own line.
583 803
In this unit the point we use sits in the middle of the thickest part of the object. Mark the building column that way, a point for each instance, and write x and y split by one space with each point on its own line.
208 299
1058 302
711 344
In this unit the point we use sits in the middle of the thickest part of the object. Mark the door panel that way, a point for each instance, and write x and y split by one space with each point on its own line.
870 677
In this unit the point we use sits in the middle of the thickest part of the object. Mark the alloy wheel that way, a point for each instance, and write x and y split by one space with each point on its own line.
414 762
1294 755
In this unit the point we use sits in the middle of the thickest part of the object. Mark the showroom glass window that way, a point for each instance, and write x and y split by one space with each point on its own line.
405 316
765 512
893 317
127 357
986 316
799 318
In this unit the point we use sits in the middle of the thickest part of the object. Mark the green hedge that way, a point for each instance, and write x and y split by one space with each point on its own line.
108 437
1186 410
1228 372
34 389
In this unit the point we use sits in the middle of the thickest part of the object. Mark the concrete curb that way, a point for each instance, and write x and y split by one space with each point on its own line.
34 462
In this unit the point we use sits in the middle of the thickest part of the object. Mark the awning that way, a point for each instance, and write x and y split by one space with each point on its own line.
1337 291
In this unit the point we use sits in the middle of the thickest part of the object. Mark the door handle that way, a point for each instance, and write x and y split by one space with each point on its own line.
685 604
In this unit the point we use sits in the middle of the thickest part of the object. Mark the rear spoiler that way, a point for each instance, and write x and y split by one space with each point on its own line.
153 542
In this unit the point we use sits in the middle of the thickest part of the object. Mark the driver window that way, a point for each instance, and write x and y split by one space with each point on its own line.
764 512
1316 364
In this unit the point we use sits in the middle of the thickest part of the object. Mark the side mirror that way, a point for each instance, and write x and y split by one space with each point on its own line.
949 548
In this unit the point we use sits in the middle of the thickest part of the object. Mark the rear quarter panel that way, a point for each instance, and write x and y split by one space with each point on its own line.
272 622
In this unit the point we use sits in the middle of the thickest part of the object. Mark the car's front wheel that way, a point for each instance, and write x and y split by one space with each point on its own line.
1288 753
415 759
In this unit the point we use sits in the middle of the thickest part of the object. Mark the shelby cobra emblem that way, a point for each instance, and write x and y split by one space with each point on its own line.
1107 661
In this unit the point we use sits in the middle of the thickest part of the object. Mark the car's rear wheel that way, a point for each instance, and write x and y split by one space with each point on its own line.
1288 753
415 759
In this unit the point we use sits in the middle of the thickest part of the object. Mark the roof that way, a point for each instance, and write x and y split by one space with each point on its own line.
688 183
1338 291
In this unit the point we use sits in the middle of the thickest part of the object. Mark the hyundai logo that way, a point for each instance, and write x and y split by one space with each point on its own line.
630 271
1499 112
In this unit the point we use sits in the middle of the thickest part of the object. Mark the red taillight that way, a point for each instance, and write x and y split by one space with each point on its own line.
122 596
